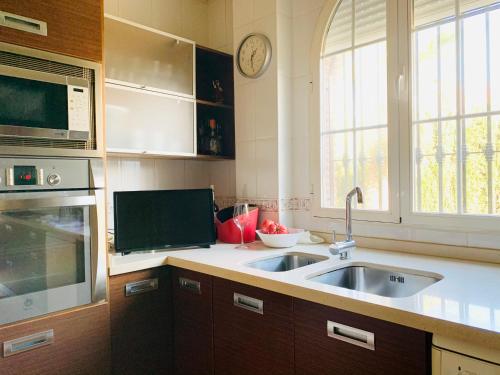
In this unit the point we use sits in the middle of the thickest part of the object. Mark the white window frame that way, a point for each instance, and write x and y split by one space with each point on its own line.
400 161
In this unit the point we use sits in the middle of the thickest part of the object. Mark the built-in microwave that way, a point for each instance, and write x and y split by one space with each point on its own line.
49 101
43 105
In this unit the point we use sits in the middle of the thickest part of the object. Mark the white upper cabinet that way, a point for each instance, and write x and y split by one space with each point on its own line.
147 58
150 90
147 122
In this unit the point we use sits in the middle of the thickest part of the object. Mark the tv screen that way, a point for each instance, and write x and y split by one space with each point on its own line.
149 220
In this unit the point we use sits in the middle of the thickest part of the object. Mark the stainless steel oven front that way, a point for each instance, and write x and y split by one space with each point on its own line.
52 236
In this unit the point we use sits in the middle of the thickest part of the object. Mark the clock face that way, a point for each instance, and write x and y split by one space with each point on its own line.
254 55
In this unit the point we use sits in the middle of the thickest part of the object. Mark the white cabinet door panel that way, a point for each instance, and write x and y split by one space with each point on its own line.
141 121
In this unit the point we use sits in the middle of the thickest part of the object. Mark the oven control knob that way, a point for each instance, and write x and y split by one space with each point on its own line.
53 179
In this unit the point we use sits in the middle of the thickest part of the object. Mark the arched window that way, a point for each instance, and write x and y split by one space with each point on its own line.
409 102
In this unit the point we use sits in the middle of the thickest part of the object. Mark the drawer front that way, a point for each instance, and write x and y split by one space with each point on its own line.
75 342
338 341
73 27
193 322
141 322
253 330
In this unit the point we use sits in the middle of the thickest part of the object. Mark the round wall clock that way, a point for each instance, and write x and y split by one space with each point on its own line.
254 55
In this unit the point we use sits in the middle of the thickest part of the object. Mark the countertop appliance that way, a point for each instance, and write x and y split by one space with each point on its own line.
52 235
162 219
48 102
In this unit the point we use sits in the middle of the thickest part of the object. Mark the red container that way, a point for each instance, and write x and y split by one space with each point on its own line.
228 232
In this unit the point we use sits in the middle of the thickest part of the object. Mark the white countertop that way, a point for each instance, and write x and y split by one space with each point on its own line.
464 305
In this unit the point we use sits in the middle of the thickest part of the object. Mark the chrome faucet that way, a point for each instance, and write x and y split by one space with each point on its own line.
342 248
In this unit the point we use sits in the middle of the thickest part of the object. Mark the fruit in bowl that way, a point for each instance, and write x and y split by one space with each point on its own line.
278 235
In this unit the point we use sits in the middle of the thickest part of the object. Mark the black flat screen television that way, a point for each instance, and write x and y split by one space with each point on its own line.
160 219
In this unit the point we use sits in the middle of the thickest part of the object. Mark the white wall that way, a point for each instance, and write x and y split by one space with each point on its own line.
208 23
263 109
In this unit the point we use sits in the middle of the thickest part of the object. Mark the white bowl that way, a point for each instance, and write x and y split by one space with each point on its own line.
281 240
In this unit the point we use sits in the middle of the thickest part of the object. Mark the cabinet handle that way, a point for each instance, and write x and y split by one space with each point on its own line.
190 285
351 335
15 21
23 344
249 303
143 286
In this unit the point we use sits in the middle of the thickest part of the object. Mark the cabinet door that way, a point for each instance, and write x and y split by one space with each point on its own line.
147 58
343 346
146 122
73 342
193 323
253 330
141 322
73 27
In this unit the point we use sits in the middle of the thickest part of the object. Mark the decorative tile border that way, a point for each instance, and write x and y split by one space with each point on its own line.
271 205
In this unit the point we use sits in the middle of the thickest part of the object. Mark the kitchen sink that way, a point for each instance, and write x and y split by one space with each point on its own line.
378 280
286 262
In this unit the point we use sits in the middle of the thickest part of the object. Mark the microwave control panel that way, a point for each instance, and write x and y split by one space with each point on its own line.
78 109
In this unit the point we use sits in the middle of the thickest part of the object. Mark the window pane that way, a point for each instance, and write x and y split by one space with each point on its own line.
339 36
427 11
429 184
336 168
476 184
475 86
337 92
455 146
354 106
371 85
494 46
448 69
426 71
370 21
371 155
428 138
449 184
476 134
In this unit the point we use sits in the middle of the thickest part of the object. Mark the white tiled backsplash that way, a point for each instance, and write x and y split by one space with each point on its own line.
155 174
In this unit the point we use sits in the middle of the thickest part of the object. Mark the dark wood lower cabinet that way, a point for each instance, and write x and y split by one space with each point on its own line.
80 344
141 322
253 330
397 349
193 323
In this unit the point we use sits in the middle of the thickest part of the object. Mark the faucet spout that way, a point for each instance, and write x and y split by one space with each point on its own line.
343 247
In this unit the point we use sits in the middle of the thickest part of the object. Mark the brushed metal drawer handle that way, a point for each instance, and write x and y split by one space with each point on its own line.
351 335
143 286
18 22
23 344
248 303
190 285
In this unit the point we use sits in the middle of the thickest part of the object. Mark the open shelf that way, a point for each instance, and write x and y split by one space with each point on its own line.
213 66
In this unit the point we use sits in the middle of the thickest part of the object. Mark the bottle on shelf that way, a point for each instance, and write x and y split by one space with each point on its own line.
214 139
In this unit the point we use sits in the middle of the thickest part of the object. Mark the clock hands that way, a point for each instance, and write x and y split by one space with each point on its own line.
252 56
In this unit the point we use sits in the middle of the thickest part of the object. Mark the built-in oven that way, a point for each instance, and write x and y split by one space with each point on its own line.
52 236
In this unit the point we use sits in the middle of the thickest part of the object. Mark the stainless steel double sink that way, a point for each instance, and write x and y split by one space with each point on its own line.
363 277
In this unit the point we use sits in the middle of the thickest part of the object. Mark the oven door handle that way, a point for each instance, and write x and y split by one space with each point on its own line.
34 203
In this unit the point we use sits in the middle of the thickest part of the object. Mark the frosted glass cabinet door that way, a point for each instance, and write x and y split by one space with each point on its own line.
143 121
148 59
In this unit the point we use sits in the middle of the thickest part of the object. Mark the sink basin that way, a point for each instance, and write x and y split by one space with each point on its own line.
377 280
286 262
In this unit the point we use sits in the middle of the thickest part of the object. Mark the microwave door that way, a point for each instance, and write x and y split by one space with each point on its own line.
43 105
45 255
